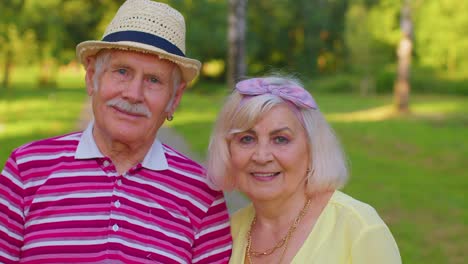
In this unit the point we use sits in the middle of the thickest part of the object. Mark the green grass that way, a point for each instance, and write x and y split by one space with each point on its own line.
29 113
412 169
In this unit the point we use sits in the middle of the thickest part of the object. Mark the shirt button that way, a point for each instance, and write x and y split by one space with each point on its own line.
106 163
115 227
117 204
119 182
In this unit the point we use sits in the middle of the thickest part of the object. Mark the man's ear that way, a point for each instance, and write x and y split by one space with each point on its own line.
90 72
178 96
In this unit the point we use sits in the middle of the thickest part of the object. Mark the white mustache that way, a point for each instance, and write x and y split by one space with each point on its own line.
139 109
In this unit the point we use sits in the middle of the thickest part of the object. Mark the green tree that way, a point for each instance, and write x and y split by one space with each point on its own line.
58 32
300 35
441 37
370 36
10 24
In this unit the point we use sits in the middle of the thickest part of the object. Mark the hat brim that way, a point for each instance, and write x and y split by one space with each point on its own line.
190 68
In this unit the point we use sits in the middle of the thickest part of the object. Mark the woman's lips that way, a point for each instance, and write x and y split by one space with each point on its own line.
264 176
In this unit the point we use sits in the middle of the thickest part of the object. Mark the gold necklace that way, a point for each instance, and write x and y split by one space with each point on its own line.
283 242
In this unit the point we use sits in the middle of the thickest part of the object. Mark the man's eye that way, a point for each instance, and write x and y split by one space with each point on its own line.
153 80
122 71
281 140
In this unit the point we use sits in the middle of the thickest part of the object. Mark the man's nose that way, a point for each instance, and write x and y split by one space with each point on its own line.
133 92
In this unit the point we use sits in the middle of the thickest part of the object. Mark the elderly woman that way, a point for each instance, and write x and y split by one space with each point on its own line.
273 144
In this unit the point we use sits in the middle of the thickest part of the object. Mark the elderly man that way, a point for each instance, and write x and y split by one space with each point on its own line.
114 193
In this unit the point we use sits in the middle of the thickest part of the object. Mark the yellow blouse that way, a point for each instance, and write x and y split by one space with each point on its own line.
347 231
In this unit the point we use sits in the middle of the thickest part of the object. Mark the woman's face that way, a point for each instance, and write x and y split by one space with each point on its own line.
270 160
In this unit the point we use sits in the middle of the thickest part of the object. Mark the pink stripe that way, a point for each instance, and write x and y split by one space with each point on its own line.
68 200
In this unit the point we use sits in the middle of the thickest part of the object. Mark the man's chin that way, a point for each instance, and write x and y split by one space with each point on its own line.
129 135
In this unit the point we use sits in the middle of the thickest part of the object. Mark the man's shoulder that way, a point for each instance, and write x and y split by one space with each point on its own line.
181 161
56 142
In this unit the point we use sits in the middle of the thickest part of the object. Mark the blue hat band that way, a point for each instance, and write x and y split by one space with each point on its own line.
144 38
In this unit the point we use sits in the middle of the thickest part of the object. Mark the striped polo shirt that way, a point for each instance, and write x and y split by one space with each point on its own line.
62 201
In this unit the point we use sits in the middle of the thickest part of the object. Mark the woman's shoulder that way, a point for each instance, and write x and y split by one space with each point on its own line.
363 228
241 218
363 213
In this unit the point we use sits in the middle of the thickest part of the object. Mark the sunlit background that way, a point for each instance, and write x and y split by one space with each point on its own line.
410 165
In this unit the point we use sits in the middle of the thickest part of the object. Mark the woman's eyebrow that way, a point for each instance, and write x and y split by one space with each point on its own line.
276 131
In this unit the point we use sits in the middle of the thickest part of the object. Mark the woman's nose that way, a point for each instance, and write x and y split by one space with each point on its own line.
262 153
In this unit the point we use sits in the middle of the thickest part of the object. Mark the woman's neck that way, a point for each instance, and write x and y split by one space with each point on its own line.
281 212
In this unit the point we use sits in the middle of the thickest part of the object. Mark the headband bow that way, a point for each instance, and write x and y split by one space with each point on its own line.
288 91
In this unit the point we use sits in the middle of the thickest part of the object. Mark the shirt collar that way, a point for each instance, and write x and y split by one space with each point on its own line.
155 159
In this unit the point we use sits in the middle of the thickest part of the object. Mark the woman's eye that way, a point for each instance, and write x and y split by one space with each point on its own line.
246 139
281 140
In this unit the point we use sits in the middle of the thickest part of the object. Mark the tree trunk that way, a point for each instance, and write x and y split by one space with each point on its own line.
48 74
402 85
7 69
367 85
236 41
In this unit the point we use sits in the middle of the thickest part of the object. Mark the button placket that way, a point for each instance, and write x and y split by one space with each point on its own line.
116 204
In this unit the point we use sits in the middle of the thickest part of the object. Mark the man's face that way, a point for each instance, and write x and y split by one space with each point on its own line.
133 97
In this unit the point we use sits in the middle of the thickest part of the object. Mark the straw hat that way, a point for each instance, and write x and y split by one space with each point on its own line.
148 27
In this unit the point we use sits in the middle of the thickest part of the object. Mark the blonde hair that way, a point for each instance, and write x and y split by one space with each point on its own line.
328 168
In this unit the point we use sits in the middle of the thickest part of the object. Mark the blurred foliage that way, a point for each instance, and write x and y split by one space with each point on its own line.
442 38
316 39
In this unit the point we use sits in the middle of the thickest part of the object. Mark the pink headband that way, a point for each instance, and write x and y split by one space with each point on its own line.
287 91
294 96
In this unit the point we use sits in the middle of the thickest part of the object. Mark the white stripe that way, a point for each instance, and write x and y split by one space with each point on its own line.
15 209
67 174
106 217
211 253
51 198
170 191
66 218
75 136
189 175
134 221
212 229
10 257
170 255
152 205
14 179
45 156
10 234
218 201
80 242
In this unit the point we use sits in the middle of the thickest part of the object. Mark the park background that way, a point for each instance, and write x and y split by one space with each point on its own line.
411 165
